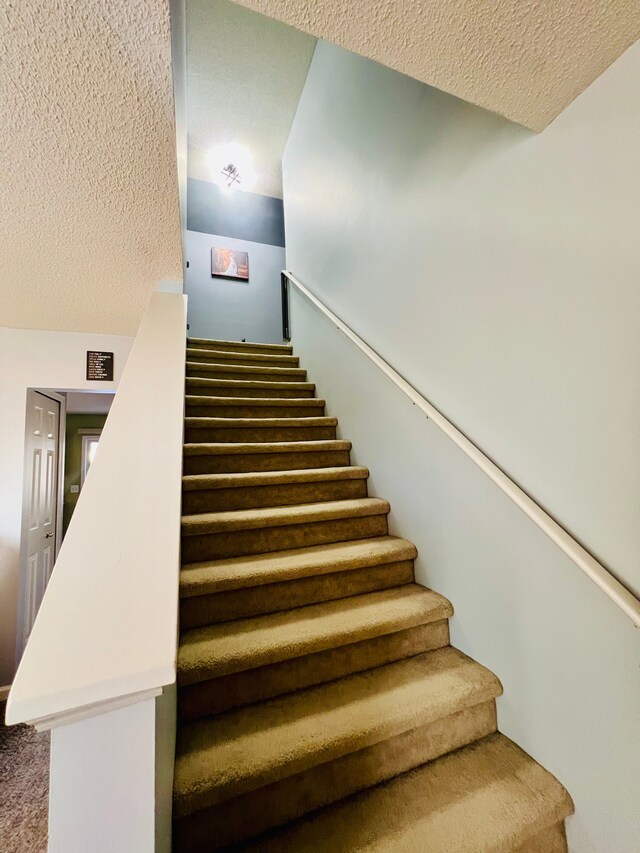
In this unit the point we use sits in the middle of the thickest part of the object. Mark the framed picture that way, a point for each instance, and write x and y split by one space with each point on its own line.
227 263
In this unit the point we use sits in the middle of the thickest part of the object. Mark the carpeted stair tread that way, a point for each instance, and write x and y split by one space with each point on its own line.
206 492
218 650
249 519
246 749
239 346
257 403
248 384
488 797
261 423
257 371
258 430
247 602
277 566
193 482
220 457
213 448
206 356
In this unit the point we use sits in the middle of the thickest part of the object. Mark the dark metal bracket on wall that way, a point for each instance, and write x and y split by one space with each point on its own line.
284 284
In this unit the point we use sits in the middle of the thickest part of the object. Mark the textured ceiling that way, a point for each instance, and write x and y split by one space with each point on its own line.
245 74
524 59
88 202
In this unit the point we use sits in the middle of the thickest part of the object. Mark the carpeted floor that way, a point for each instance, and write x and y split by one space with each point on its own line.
24 788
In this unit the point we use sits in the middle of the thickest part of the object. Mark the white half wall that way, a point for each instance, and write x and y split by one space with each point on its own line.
103 783
232 310
497 270
34 359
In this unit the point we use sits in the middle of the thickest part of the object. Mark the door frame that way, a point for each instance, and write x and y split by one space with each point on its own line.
62 400
86 433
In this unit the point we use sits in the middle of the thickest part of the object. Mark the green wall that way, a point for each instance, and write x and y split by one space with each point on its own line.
73 459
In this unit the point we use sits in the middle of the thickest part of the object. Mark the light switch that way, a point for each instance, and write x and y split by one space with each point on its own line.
74 489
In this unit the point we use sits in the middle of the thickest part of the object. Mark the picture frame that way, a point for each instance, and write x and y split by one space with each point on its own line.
229 263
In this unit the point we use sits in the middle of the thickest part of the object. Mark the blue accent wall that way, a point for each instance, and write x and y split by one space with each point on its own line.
230 310
241 215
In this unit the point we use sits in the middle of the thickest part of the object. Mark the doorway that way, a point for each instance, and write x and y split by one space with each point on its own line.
41 502
82 436
62 431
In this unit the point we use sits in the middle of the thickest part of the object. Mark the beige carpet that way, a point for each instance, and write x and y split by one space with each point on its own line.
24 788
321 707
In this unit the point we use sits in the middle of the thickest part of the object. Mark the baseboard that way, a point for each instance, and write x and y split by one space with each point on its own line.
4 692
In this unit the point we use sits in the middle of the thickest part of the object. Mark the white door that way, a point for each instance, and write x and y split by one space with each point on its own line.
41 501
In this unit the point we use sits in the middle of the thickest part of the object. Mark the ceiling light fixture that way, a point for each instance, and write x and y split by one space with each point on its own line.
231 175
231 165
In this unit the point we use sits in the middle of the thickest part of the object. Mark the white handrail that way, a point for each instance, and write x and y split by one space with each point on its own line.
601 576
106 632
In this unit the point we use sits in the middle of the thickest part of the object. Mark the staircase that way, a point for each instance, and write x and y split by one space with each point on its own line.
320 705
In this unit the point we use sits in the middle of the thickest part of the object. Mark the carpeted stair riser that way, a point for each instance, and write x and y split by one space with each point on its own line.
268 488
247 388
238 346
209 500
245 371
198 434
198 406
270 598
248 815
233 425
215 546
246 463
202 356
206 698
551 840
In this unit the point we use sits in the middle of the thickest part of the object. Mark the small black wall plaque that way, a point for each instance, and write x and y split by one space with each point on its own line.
100 366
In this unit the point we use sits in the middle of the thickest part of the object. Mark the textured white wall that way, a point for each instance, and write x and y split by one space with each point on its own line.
33 359
89 220
245 76
526 61
497 271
